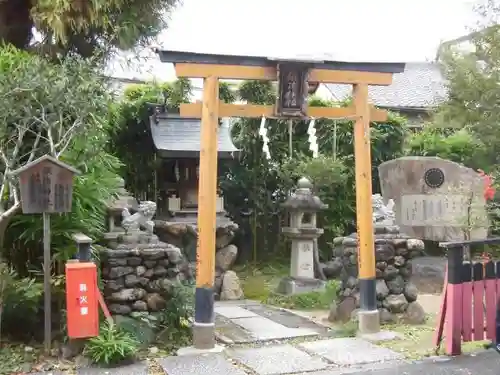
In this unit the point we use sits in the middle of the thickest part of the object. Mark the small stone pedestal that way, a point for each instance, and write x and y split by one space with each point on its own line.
302 207
396 295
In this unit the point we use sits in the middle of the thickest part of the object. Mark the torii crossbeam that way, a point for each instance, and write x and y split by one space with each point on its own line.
293 77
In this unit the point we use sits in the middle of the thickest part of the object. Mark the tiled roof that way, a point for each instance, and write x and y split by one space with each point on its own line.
421 85
175 136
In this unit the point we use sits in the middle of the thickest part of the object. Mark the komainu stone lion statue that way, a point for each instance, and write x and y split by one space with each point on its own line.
141 219
382 213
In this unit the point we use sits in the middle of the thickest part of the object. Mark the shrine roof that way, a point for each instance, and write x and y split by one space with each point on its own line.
316 62
179 137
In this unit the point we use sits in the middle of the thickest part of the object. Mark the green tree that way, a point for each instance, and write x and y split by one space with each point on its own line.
55 109
472 77
458 145
82 26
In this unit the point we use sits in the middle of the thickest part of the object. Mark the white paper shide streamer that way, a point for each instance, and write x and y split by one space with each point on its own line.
265 139
313 140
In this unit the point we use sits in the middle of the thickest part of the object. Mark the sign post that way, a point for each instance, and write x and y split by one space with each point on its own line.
46 186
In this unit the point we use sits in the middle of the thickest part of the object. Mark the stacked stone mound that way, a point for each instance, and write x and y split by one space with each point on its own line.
227 285
141 277
395 293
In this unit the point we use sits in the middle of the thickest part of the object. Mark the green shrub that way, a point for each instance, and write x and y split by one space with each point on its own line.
317 300
460 146
140 325
175 320
112 346
22 304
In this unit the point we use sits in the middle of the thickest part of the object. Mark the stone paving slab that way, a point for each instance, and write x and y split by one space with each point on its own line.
350 351
229 333
265 329
277 360
135 369
287 318
210 364
232 312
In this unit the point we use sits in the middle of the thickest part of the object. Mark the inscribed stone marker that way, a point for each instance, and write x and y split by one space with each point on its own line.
435 199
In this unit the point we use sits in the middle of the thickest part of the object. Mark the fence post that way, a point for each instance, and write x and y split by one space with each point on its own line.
453 326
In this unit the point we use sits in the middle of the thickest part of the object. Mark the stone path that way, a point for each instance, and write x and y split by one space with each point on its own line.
245 322
484 363
261 340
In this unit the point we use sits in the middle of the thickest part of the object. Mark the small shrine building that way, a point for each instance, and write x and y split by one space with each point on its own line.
177 141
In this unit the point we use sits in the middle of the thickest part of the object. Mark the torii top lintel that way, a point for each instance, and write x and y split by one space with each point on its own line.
199 65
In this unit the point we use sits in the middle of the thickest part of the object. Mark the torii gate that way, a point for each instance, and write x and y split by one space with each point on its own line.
293 77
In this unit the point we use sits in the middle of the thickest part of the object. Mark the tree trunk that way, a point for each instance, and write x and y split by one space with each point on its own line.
15 22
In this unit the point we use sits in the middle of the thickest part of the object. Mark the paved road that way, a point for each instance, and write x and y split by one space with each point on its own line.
485 363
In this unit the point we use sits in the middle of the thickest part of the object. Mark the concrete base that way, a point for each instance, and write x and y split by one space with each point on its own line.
191 350
289 285
369 322
204 335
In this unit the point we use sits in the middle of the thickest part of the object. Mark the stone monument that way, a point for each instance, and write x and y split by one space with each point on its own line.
436 199
302 207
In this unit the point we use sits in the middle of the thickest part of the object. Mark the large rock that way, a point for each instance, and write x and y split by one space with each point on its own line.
390 272
126 295
116 272
155 302
414 314
384 252
115 308
140 306
332 269
386 317
414 244
410 292
396 285
345 309
381 289
225 235
225 257
131 281
332 316
396 303
231 287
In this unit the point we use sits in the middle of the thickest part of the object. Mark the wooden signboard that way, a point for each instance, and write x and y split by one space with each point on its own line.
46 186
293 89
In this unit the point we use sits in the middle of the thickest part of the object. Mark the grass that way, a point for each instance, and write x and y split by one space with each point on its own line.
320 300
260 282
416 340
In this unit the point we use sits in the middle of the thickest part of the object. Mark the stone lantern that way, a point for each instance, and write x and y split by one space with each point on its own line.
302 207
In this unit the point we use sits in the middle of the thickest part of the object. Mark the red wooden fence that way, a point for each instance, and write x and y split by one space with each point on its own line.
470 298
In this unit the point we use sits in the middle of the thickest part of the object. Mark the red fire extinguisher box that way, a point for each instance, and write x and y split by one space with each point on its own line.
82 312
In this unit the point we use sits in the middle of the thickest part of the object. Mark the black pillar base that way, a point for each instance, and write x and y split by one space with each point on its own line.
368 294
